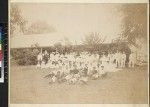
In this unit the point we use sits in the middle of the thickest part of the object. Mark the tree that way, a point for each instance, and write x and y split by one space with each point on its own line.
58 47
93 38
36 45
16 19
134 22
93 41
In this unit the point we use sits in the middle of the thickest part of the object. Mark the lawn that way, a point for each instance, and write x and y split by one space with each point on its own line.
129 85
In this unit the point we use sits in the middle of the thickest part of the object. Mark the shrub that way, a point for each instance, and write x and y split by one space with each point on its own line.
25 56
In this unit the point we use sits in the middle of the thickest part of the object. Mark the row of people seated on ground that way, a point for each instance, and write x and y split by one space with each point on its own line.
75 75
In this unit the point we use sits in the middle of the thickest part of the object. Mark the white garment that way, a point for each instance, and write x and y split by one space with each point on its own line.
39 57
54 79
131 60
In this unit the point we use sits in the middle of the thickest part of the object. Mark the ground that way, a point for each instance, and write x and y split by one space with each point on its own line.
27 85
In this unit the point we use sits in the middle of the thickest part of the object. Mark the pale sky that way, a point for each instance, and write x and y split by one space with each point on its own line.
76 20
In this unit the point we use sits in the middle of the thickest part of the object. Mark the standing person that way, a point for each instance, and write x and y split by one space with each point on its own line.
57 59
109 57
111 66
104 61
45 56
118 59
52 59
123 59
94 73
132 60
39 59
52 56
112 58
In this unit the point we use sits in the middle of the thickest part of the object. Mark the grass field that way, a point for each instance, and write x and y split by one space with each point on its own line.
27 85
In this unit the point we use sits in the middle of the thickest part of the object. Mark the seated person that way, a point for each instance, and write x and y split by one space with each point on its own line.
102 72
74 70
77 76
73 80
68 77
49 75
84 71
54 78
83 80
58 76
94 73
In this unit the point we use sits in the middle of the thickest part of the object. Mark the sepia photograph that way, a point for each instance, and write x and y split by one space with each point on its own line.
78 53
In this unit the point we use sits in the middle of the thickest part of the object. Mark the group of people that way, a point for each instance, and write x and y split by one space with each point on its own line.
75 67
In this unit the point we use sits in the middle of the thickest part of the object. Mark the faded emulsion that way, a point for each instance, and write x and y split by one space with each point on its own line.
85 53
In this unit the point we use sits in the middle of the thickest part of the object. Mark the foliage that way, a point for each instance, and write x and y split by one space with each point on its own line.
16 19
93 41
134 22
18 23
93 38
25 56
59 48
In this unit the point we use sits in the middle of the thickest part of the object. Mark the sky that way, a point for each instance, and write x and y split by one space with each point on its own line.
76 20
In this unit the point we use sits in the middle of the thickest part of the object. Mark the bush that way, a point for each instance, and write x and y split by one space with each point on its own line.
25 56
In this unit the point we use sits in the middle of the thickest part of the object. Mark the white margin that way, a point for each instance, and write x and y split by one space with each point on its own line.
77 1
81 1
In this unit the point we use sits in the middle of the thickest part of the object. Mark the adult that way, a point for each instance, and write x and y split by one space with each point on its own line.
132 60
39 59
45 57
123 59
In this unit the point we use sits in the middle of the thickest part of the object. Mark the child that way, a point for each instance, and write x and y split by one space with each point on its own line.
59 77
54 78
102 72
73 80
49 76
75 70
83 79
84 71
69 77
94 74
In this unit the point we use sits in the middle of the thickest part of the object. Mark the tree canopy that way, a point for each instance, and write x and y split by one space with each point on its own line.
16 19
93 38
134 22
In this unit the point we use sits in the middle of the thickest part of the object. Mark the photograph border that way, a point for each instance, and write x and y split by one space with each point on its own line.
81 1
